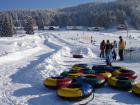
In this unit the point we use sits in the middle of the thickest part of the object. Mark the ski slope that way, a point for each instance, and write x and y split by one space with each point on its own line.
27 60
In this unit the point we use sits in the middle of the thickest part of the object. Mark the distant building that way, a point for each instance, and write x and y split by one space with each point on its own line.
74 27
122 27
95 28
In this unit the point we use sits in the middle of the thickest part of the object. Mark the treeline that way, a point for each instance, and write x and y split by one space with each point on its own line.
132 9
7 28
91 14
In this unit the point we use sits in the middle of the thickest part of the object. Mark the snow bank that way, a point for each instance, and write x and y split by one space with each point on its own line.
16 48
18 55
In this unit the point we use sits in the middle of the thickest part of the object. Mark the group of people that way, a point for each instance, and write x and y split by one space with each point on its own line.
109 50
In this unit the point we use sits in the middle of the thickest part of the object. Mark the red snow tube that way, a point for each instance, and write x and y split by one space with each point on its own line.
57 82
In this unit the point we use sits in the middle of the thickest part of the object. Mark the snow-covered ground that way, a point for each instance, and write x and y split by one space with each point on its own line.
27 60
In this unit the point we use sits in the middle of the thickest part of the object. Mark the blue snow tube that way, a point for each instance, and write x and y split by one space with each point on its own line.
102 68
94 80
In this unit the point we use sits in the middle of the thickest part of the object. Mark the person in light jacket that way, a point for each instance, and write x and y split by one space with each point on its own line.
114 52
121 48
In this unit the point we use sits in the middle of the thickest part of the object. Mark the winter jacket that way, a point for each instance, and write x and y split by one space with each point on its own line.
108 47
121 44
115 45
102 46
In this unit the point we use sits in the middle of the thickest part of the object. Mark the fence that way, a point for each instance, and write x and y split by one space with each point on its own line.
132 54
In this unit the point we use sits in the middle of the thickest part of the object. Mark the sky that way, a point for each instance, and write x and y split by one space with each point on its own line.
40 4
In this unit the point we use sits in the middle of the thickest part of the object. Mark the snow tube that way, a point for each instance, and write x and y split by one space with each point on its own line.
77 56
71 75
136 89
83 66
94 80
125 72
104 74
76 68
84 71
98 68
57 82
75 91
118 67
121 82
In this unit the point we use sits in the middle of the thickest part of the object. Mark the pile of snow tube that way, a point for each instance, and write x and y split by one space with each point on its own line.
120 78
80 81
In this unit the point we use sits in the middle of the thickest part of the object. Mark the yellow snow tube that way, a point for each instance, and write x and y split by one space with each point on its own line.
112 81
50 82
73 75
136 88
106 75
70 92
75 91
76 68
120 82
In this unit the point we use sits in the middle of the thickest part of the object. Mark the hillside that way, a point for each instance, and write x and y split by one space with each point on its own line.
104 14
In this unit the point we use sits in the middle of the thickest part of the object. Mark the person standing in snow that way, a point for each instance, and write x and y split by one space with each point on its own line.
114 52
108 51
121 48
91 40
102 48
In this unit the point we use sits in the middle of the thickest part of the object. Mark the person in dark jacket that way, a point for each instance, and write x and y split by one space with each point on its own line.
108 51
102 48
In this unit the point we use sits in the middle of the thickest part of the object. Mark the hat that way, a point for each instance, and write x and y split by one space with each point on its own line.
120 36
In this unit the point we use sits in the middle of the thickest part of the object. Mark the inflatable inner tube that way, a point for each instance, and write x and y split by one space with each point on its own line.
75 91
81 65
136 89
125 72
84 71
99 68
76 68
78 56
104 74
94 80
118 67
71 75
57 82
121 82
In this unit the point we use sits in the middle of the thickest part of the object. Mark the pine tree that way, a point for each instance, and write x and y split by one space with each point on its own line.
6 27
40 23
29 26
